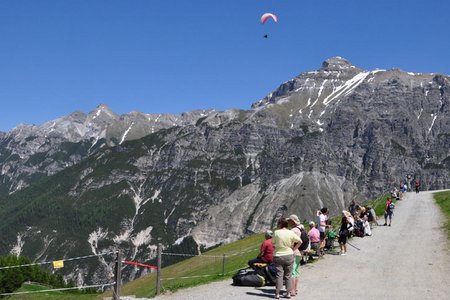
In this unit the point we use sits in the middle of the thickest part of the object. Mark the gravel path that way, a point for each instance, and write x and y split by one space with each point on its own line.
410 260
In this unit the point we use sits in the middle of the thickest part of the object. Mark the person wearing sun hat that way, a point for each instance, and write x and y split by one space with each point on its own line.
344 231
294 222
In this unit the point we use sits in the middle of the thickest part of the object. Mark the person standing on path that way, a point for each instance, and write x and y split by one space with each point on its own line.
285 242
388 212
295 227
322 226
344 231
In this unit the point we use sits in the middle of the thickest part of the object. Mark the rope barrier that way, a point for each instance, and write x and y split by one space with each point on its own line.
139 264
191 255
60 289
26 265
212 256
49 262
200 276
187 277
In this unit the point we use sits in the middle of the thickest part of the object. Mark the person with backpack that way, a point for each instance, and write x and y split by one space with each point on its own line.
417 186
305 243
344 231
388 211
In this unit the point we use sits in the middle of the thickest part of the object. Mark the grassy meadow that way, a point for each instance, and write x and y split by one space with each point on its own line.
443 200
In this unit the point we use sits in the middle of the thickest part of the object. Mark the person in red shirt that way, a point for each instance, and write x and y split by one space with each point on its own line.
417 186
388 212
266 253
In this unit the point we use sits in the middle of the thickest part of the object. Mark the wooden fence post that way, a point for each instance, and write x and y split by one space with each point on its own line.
158 271
118 276
223 264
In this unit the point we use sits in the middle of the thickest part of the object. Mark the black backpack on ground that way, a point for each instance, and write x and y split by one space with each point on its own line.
249 277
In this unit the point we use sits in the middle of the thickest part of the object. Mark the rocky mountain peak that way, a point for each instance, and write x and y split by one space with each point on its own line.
102 110
336 64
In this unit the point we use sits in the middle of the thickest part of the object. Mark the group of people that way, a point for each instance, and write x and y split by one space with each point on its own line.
290 243
409 183
284 248
358 221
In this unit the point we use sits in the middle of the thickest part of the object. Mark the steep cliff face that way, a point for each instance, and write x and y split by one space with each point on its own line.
318 140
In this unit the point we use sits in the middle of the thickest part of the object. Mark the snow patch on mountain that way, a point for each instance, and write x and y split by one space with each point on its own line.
17 248
346 88
126 133
96 236
143 237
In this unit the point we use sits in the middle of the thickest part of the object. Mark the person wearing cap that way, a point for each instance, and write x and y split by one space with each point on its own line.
285 242
314 237
295 227
266 252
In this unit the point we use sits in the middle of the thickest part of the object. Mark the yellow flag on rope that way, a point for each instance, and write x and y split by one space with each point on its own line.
58 264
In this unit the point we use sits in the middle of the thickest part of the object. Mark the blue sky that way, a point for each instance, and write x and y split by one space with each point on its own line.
170 56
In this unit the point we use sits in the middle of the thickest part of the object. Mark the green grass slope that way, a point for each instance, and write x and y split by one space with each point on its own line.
443 200
205 269
33 287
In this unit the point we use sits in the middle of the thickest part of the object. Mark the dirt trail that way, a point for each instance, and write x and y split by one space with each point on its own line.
410 260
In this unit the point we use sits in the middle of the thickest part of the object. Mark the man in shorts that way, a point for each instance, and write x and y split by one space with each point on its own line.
322 226
388 212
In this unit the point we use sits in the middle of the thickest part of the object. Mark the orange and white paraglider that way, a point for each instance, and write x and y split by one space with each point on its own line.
266 17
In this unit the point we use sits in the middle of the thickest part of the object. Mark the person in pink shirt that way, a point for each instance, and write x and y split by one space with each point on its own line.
314 237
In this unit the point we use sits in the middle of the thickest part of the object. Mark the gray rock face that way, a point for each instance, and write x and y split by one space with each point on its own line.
206 178
29 152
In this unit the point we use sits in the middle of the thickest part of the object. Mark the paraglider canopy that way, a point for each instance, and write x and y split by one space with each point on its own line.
267 16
